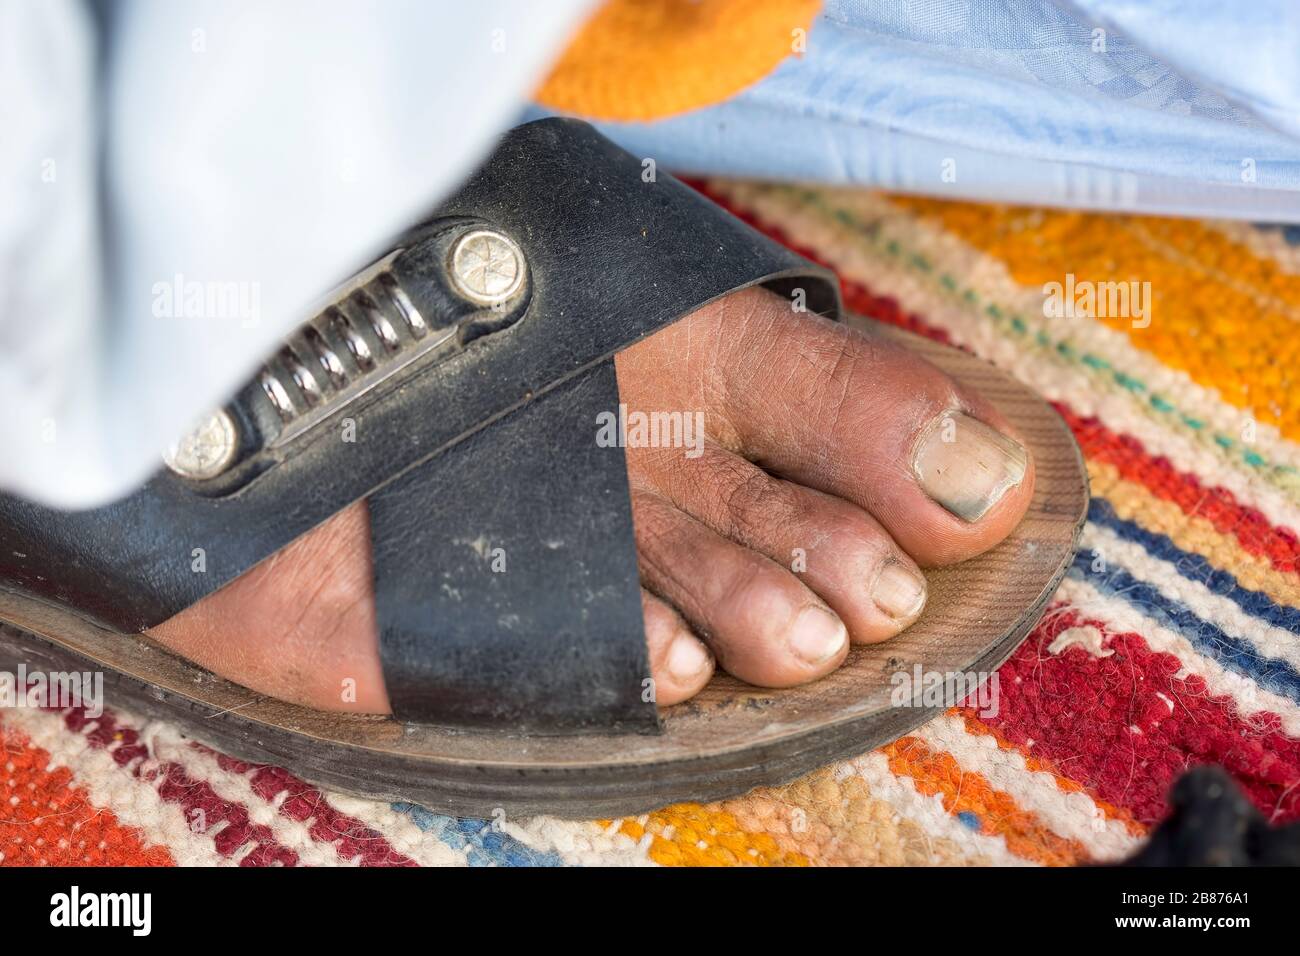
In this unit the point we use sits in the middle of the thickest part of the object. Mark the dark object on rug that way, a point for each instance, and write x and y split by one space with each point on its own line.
1213 824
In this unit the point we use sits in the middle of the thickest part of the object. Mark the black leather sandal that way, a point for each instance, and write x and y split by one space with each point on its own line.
472 363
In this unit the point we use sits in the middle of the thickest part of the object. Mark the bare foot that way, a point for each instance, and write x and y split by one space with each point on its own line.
835 466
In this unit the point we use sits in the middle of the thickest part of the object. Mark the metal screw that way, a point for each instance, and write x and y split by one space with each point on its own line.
206 451
487 267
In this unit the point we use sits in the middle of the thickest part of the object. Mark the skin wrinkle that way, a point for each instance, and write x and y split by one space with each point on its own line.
845 363
772 516
758 346
756 599
756 501
808 430
844 354
314 586
650 534
334 564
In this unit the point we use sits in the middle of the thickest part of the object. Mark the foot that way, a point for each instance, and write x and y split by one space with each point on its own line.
835 466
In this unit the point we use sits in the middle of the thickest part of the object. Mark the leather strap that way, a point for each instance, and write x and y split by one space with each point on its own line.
514 558
611 257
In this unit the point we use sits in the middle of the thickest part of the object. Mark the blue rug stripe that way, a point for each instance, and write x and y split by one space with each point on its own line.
1290 231
1195 568
1233 653
484 845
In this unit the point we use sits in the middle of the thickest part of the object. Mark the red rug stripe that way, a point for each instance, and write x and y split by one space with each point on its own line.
352 838
1101 723
1217 505
194 797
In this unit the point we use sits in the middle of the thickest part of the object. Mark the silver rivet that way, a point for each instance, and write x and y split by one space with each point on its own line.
487 267
206 451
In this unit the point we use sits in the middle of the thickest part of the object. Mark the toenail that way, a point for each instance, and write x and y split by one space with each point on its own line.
818 635
687 659
965 465
899 591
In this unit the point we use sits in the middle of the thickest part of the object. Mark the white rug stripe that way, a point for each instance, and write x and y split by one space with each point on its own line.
169 746
1119 615
1070 814
582 843
133 799
1224 613
1264 243
399 830
927 812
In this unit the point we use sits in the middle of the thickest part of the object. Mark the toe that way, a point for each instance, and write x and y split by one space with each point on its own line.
680 663
764 625
851 414
838 550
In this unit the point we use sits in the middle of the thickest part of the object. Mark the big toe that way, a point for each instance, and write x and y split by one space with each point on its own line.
854 415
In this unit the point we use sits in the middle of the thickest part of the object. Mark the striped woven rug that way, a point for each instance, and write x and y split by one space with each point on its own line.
1172 643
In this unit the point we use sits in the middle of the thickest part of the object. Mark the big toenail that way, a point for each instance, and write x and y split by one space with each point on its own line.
899 591
965 465
687 659
818 635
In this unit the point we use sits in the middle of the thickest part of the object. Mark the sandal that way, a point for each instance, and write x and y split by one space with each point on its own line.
470 365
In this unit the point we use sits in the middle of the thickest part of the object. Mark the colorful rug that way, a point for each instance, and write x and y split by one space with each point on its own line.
1172 643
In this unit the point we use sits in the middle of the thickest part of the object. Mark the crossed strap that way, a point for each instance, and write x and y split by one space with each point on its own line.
505 574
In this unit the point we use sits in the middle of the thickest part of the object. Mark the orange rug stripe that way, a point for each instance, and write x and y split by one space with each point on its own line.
1041 765
46 820
964 791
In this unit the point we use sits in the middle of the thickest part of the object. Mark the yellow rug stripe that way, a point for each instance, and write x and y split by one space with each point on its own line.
691 834
833 821
1132 502
818 820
